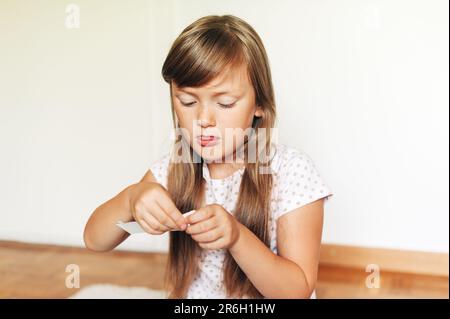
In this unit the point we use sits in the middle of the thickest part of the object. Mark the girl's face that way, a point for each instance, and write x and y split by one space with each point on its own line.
214 115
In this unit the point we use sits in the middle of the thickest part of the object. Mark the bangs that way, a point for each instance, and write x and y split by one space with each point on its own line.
197 58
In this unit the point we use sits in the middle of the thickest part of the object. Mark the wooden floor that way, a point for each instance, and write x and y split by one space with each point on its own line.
39 271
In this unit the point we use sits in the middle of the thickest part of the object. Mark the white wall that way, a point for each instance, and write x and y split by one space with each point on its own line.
83 112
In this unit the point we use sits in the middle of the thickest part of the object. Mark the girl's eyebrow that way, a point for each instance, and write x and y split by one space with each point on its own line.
221 93
214 94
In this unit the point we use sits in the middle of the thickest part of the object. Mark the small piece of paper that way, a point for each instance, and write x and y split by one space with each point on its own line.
135 228
131 227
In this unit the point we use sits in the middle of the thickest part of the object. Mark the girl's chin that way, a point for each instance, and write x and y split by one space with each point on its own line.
212 153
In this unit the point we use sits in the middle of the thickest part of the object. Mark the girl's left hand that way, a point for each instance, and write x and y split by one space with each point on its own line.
212 227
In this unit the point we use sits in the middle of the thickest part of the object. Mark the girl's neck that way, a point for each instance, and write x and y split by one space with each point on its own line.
223 170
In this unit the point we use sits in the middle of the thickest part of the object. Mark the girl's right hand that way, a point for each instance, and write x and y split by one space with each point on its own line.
154 210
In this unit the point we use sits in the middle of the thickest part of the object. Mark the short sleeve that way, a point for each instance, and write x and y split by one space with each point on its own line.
159 169
299 182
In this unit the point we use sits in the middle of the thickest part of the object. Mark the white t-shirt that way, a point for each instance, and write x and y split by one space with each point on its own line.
296 182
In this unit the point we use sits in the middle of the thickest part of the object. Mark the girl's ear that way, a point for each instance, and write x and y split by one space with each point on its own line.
259 112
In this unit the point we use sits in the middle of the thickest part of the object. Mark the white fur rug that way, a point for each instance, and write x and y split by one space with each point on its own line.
108 291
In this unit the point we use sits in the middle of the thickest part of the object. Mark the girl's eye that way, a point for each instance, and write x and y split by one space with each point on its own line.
227 105
187 104
221 104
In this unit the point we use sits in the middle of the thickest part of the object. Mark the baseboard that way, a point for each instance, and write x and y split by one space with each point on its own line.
415 262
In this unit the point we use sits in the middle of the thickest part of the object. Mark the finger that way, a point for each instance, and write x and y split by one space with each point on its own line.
154 223
201 227
161 215
208 236
168 206
145 226
188 214
199 215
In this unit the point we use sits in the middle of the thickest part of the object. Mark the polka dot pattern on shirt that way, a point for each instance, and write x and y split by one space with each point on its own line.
296 182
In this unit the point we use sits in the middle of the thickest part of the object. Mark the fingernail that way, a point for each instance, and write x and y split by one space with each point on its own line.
183 227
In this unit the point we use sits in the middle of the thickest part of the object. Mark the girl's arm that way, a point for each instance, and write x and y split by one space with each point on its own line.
101 232
293 272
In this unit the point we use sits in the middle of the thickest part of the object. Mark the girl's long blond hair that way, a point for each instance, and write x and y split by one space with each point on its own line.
204 49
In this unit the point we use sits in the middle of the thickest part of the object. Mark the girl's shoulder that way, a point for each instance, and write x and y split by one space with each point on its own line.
297 179
286 158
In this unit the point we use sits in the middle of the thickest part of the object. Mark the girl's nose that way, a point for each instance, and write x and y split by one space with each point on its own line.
206 116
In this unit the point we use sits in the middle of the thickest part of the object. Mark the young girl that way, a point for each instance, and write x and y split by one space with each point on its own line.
257 223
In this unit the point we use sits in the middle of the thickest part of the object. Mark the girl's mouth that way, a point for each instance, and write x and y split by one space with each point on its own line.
207 140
